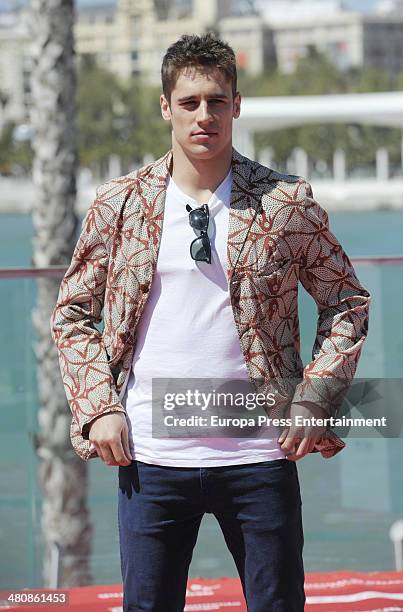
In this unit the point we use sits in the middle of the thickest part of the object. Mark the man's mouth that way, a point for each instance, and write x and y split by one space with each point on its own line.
204 133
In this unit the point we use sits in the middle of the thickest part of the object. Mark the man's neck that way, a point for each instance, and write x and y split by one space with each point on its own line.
199 178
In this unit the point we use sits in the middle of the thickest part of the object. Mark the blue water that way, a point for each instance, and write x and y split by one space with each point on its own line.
360 233
349 502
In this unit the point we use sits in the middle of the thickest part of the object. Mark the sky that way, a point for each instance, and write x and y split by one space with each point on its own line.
363 6
359 5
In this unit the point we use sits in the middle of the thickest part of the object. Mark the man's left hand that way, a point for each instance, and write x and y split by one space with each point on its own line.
296 442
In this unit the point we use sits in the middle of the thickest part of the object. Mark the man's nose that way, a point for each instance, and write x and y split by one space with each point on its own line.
203 112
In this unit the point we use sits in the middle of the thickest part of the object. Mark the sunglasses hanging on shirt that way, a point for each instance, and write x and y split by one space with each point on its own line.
200 248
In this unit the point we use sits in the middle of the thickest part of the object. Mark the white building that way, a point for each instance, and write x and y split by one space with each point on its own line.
15 65
389 6
297 10
134 40
347 38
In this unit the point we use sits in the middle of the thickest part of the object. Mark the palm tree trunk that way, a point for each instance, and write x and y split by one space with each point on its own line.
63 476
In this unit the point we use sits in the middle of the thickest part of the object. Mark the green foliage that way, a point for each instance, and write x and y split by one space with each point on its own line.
99 94
15 157
143 131
117 119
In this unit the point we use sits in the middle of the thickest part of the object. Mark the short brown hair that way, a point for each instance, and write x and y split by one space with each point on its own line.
194 50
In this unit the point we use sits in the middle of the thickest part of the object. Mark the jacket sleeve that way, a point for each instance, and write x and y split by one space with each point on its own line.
87 379
342 302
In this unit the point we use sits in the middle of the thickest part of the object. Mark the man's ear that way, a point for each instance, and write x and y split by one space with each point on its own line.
236 105
165 110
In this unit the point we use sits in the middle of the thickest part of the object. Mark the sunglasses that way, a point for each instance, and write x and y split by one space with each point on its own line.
200 248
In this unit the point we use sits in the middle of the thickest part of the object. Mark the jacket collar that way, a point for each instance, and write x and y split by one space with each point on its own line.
246 195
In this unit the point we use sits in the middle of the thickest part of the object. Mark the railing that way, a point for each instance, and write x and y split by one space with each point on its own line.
49 272
58 271
349 502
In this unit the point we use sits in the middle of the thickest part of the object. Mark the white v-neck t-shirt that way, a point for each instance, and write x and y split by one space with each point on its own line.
187 330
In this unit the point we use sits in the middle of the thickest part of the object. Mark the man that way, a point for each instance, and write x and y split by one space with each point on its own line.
227 308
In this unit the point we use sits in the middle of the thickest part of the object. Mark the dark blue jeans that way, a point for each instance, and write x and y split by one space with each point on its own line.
258 508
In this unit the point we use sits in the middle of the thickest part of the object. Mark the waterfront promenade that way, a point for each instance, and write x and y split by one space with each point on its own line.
18 195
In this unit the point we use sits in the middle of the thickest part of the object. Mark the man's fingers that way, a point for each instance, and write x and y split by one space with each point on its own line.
107 454
312 442
296 442
98 449
300 450
294 454
103 453
288 441
118 453
283 435
109 435
303 447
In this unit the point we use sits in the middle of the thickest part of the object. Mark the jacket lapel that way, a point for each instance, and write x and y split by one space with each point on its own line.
152 190
246 195
249 183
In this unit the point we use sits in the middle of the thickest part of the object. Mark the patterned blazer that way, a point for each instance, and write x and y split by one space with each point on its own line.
278 235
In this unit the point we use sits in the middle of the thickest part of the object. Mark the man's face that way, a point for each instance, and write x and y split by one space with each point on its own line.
201 111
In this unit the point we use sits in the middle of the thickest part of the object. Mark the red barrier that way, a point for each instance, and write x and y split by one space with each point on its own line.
325 592
351 591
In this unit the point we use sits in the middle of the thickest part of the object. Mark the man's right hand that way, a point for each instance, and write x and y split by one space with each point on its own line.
109 435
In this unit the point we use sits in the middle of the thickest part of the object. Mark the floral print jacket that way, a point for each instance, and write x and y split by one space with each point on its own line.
278 235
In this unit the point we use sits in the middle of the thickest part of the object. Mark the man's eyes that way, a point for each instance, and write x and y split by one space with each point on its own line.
194 103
